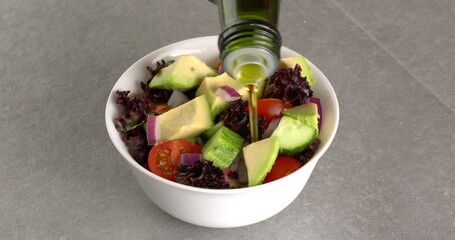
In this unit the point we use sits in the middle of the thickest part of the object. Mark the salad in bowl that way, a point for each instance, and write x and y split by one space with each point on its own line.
182 125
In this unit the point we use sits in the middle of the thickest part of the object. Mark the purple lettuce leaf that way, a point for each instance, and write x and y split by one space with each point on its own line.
236 118
204 174
135 109
287 84
309 152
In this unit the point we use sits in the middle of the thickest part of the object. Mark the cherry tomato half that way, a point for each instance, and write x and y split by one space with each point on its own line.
271 108
284 165
164 157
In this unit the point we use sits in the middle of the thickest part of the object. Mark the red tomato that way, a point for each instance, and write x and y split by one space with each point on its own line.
164 157
284 165
271 108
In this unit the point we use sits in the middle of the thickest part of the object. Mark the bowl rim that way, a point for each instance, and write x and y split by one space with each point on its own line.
112 131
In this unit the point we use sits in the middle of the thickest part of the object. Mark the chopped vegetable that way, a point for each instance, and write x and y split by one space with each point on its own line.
136 142
135 109
164 157
306 113
272 126
177 98
189 158
271 108
227 93
309 152
204 174
188 120
259 158
219 67
287 84
294 136
283 166
151 129
214 156
317 101
156 95
223 147
236 119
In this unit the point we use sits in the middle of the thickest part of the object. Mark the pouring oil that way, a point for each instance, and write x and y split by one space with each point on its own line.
251 75
249 46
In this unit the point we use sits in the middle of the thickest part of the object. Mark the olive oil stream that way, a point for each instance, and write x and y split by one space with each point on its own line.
251 75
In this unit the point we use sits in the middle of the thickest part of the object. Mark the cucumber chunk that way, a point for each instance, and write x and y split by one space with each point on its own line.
294 136
223 147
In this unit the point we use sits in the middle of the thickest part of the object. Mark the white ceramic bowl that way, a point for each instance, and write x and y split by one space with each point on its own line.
229 207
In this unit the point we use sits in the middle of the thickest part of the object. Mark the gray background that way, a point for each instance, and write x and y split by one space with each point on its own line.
390 173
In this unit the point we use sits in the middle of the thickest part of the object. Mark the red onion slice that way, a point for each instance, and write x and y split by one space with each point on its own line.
177 98
221 69
189 158
317 101
152 129
272 126
227 93
235 164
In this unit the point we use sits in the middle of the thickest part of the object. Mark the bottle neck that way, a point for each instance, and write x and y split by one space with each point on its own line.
247 43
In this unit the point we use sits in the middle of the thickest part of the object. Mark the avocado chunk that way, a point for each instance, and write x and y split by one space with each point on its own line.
185 121
293 135
223 147
185 73
209 86
290 62
306 113
259 158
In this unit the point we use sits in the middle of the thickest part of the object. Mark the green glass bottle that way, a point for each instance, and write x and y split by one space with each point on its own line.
250 41
249 45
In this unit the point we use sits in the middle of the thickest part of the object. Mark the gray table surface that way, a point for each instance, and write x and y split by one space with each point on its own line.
389 174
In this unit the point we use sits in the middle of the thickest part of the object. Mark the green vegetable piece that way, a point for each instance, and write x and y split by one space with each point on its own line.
185 73
290 62
294 136
306 113
223 147
259 158
188 120
209 86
